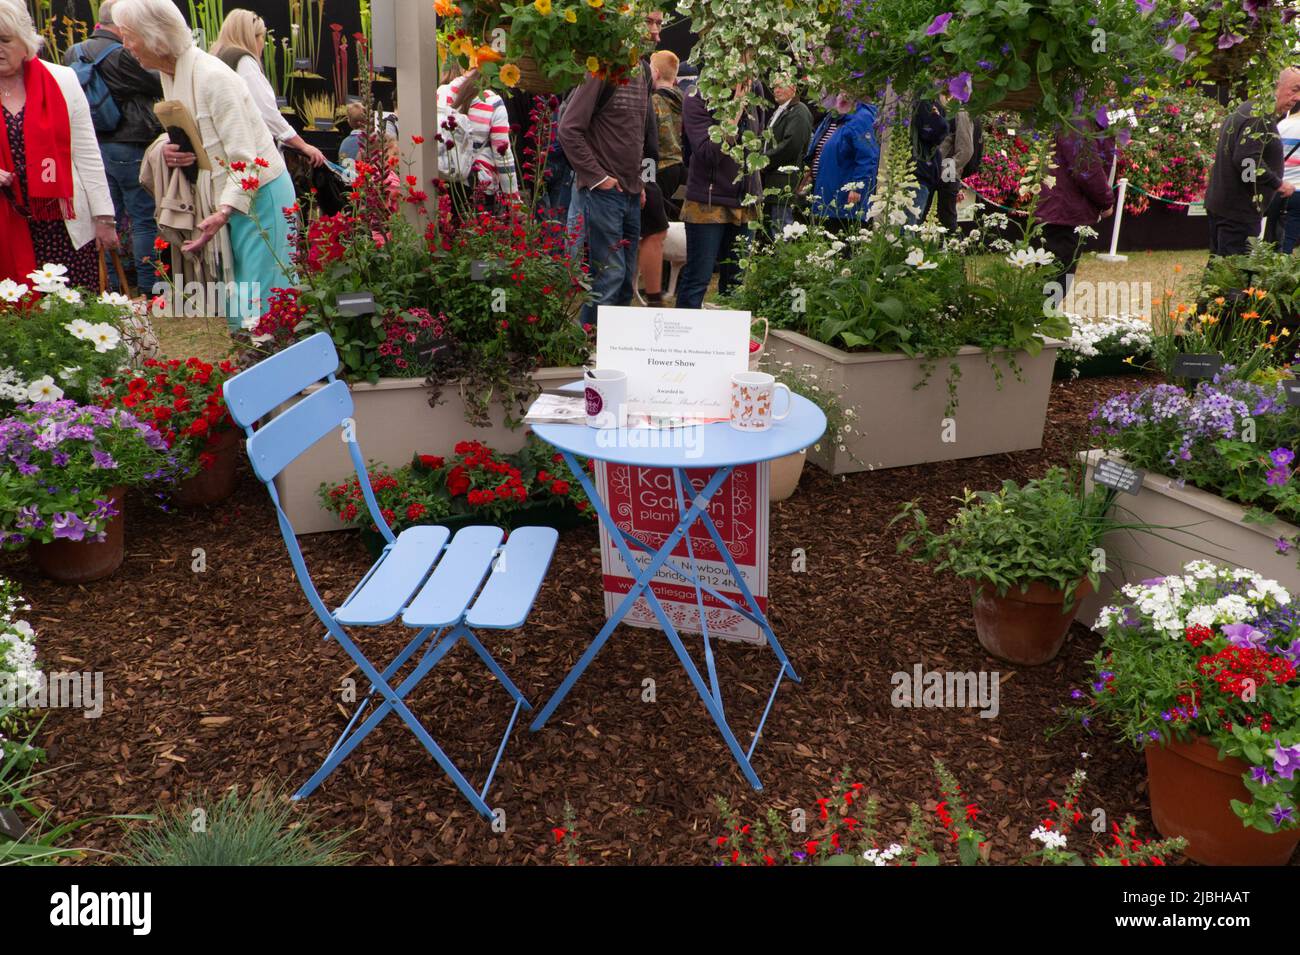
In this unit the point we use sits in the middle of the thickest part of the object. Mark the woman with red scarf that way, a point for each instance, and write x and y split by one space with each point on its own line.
55 205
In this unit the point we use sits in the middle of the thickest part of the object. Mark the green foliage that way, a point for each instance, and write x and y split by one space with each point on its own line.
74 343
1045 531
262 829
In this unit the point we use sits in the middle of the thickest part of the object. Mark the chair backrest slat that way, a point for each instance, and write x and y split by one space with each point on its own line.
257 391
296 429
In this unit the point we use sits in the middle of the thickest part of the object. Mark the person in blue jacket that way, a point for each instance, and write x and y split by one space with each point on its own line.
843 159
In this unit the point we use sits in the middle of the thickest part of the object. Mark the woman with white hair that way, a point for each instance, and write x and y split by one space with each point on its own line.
247 190
239 46
54 197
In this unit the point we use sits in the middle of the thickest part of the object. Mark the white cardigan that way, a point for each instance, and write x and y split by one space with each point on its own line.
229 124
90 195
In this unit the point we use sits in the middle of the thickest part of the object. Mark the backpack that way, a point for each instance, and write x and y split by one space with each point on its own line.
104 111
977 155
455 145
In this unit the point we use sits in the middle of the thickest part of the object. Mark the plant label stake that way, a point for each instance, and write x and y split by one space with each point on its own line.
1292 389
11 826
1118 476
281 102
480 270
356 303
302 64
323 125
1196 366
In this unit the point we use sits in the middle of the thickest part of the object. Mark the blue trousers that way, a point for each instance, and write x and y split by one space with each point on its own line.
709 246
612 229
133 204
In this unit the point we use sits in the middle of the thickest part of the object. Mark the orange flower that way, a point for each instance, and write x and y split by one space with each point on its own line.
1220 300
1249 315
510 75
445 8
485 54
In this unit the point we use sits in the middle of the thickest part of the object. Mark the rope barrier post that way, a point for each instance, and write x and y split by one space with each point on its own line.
1113 255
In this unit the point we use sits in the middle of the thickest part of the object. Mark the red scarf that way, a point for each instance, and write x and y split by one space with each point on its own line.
47 140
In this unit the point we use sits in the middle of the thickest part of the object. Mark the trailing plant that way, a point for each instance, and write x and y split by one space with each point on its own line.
1211 653
61 460
19 671
979 51
258 829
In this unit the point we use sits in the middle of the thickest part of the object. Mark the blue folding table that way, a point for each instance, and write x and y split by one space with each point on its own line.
718 448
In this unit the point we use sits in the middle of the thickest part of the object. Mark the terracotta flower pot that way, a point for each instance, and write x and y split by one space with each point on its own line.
216 483
1025 628
785 475
1191 793
80 562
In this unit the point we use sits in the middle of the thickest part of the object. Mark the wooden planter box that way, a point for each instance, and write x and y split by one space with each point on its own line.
1209 528
896 424
393 423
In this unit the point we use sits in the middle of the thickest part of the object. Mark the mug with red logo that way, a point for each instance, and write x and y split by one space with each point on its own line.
605 391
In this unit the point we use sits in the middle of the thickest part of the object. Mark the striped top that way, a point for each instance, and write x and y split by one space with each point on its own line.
1288 131
494 160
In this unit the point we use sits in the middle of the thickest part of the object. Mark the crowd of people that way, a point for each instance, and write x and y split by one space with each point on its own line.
85 154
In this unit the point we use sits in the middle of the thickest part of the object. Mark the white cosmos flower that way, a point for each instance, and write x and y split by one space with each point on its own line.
79 328
50 277
69 295
794 230
44 389
916 259
114 298
11 291
1024 258
105 337
65 374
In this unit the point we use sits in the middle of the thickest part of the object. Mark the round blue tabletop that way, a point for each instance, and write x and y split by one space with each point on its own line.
696 446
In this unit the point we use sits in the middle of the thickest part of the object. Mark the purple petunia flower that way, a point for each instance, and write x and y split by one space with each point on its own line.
1244 635
103 460
959 87
1190 22
1286 759
938 25
1145 6
1260 775
1228 40
69 526
1280 814
1177 50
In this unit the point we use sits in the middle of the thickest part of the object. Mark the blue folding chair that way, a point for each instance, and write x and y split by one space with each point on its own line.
444 599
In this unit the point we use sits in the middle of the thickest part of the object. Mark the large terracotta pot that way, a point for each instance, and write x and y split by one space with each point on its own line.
1024 628
217 482
785 475
1191 793
80 562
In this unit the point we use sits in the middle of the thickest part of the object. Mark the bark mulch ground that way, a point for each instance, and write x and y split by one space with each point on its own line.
221 678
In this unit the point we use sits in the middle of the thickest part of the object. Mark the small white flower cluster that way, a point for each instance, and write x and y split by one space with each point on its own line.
883 856
1089 338
1174 603
1050 838
19 671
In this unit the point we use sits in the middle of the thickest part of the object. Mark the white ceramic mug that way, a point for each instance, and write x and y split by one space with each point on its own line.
605 391
752 398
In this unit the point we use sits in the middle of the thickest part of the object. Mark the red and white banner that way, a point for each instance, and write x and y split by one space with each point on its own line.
643 502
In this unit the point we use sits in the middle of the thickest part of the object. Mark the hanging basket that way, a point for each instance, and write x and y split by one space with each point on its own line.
531 79
1018 101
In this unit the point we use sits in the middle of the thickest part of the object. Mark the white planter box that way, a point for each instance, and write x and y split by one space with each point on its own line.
393 423
897 424
1209 528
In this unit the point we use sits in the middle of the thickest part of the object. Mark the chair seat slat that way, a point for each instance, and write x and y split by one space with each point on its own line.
451 587
508 595
397 576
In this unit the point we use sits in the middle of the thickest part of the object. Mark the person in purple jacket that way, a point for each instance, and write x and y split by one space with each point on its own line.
1078 194
716 217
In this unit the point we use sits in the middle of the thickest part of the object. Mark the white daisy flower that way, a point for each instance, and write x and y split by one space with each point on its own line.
50 277
79 328
105 337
